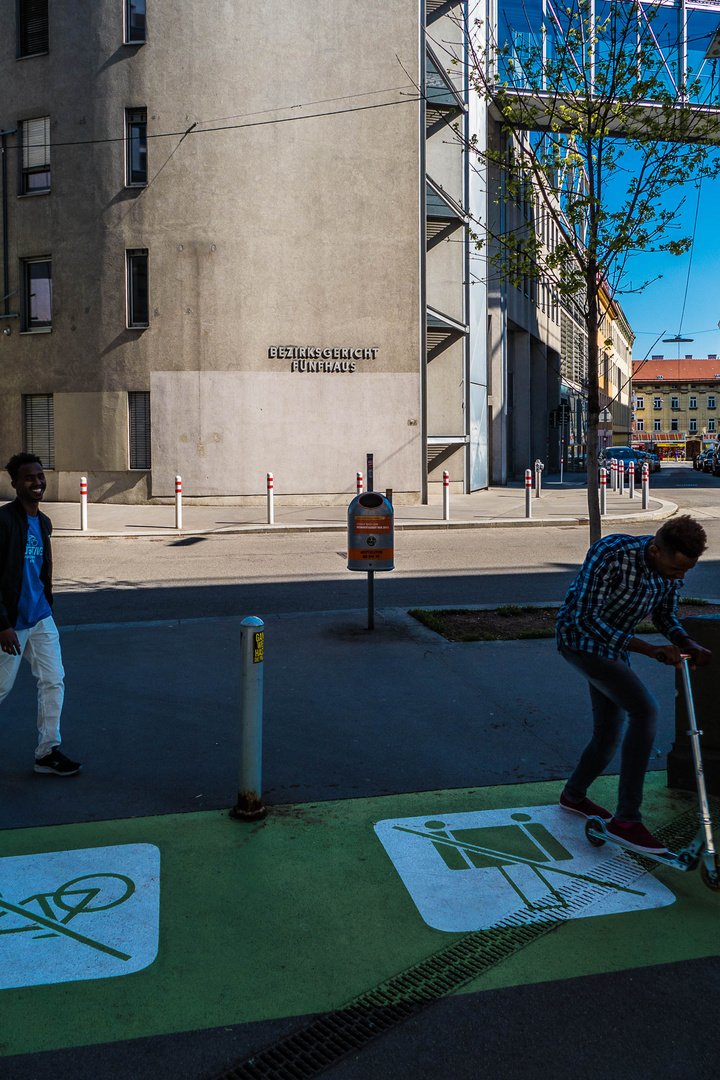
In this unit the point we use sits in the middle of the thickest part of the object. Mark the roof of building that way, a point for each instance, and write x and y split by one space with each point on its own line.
689 369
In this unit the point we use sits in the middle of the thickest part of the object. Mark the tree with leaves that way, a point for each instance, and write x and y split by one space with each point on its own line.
597 122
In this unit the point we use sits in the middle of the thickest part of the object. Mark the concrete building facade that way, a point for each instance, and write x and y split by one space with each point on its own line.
234 243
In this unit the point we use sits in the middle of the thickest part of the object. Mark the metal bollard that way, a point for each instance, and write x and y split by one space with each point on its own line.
538 477
613 474
250 806
528 493
621 477
645 485
178 502
83 503
603 492
631 479
359 483
446 496
270 499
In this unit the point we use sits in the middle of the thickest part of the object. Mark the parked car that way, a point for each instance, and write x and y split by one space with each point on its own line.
624 454
715 460
708 458
654 462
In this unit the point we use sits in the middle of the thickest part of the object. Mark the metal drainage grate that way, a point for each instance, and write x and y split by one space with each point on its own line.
323 1042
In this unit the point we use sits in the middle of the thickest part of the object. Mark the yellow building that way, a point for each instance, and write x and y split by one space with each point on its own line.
676 403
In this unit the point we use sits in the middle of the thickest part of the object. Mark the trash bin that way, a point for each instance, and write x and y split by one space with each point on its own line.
370 533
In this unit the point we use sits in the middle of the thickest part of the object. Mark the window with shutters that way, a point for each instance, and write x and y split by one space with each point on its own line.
35 142
37 294
134 21
39 427
139 411
136 147
32 27
138 297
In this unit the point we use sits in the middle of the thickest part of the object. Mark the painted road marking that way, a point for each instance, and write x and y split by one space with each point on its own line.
478 870
92 913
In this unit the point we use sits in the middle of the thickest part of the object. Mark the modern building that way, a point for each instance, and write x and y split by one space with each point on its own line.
676 403
234 242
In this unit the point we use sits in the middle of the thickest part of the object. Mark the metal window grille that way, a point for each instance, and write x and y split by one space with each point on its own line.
39 427
32 27
35 137
139 407
138 300
136 146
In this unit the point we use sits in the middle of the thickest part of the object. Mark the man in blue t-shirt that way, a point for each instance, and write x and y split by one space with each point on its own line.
27 627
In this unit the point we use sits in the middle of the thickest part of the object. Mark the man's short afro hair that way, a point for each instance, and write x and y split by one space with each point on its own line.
13 465
684 535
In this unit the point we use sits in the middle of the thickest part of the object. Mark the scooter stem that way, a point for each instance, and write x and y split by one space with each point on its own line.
695 744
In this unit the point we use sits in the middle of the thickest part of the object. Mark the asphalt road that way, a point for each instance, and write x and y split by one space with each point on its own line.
130 579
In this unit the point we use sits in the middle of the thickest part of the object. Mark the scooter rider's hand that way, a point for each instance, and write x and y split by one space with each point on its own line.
700 657
9 642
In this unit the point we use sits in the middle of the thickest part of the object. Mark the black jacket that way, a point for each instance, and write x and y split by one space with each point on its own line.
13 541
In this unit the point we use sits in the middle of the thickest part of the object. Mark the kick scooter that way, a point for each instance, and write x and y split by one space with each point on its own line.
702 849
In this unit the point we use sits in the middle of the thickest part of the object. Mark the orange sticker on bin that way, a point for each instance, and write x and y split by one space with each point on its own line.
373 524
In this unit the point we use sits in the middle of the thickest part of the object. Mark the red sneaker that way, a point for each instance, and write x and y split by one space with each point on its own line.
585 808
636 836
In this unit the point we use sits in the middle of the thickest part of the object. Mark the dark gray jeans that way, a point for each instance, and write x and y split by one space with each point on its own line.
615 689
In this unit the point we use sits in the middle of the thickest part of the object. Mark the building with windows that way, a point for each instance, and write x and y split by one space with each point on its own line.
676 404
234 242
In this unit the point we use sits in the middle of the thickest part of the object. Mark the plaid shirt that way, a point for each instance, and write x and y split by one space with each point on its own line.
614 591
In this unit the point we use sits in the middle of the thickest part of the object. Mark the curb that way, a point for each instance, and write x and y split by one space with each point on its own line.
666 509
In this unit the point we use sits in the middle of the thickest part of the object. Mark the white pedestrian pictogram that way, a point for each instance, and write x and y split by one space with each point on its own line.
476 870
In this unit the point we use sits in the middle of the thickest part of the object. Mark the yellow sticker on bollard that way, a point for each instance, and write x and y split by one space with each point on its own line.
258 646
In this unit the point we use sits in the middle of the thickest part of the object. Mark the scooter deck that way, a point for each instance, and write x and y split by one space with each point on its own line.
595 827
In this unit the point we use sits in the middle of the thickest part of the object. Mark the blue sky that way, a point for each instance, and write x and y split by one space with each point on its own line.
657 310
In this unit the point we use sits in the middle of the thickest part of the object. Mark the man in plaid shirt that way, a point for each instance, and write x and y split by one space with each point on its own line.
624 580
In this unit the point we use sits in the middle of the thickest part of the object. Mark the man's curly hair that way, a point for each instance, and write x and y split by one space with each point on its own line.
17 460
684 535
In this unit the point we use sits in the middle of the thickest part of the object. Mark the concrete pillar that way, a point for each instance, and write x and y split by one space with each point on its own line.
538 400
522 436
705 629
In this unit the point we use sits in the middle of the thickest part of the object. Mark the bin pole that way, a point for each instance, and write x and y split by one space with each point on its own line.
528 493
370 472
538 478
645 485
178 502
446 495
83 503
371 599
250 806
631 479
603 492
270 499
359 483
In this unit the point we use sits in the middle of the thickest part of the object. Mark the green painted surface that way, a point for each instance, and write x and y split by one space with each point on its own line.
304 910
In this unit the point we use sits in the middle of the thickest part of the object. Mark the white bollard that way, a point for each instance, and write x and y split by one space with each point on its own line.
645 485
621 477
178 502
613 474
270 499
359 483
528 493
252 651
603 492
631 479
83 503
446 496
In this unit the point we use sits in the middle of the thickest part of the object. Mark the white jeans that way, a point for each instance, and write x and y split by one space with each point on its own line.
40 645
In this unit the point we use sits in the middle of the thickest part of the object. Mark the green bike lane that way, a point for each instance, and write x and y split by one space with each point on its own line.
297 915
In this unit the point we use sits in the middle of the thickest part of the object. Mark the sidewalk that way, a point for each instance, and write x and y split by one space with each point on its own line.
502 507
199 941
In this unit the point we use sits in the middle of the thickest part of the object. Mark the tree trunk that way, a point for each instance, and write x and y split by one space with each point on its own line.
593 402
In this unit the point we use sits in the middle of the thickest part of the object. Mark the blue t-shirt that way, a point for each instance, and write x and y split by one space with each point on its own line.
33 604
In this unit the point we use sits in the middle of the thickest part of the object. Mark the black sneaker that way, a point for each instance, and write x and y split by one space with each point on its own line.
56 762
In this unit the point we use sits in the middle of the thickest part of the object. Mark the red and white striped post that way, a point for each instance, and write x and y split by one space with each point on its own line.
613 474
631 479
446 495
603 492
528 493
270 499
359 483
178 502
83 503
645 485
621 477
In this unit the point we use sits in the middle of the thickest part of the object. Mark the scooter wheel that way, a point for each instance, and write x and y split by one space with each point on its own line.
711 880
595 840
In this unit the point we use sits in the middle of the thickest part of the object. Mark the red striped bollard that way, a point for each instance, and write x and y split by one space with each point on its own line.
603 492
645 485
528 493
83 503
359 483
446 495
631 479
178 502
270 499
